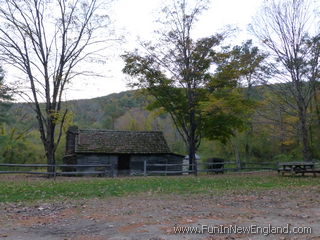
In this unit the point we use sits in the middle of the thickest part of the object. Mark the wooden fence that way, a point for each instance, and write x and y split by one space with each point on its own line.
108 170
60 169
218 167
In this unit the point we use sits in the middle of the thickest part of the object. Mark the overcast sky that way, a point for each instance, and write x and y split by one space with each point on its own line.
135 18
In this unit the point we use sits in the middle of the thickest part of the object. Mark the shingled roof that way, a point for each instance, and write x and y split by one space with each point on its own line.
120 142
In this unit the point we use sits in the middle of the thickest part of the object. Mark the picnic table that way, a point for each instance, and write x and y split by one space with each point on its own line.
296 167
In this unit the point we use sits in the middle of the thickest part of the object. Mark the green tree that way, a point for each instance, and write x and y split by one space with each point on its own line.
247 65
176 72
175 68
224 112
15 147
112 110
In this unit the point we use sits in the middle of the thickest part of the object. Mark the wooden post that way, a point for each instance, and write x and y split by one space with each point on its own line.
145 167
237 154
112 169
166 168
55 172
105 171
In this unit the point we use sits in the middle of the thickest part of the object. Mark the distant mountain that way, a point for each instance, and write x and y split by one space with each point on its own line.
127 111
271 132
118 111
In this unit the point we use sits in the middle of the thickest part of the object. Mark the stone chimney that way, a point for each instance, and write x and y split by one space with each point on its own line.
71 140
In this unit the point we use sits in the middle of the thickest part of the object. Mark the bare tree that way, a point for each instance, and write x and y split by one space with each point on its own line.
47 40
285 28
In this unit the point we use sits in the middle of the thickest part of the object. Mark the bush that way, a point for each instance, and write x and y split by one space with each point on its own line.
283 158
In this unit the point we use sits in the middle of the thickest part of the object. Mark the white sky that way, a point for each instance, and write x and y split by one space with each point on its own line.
135 18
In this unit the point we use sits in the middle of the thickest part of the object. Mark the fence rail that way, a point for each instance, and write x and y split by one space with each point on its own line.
109 170
50 165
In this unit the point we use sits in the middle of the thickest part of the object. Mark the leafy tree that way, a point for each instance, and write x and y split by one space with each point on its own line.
176 72
15 147
47 40
247 65
175 69
112 110
224 112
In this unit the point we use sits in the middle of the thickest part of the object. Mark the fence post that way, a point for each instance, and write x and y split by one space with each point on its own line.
55 172
166 171
145 168
105 171
112 169
239 165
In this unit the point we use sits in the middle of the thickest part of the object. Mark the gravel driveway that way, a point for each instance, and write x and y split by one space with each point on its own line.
158 217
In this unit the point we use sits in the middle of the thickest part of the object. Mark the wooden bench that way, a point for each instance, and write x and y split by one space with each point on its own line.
297 168
313 171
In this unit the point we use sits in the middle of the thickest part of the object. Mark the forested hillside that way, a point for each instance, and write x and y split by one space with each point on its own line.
270 134
20 140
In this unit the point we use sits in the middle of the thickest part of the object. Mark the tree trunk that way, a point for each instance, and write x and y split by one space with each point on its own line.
282 132
247 147
237 155
192 130
50 147
303 125
51 161
192 156
192 144
248 133
316 103
306 151
311 127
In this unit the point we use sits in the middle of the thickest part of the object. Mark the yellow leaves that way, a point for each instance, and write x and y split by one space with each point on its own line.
55 116
288 142
68 121
227 101
59 116
213 104
291 119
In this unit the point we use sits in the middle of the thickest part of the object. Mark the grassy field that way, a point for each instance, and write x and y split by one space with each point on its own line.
28 189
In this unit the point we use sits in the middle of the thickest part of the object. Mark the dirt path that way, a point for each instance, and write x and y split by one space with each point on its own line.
154 217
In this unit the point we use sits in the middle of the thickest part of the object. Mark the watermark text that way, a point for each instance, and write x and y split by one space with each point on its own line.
236 229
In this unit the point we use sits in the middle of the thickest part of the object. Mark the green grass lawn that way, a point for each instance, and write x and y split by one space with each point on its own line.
22 190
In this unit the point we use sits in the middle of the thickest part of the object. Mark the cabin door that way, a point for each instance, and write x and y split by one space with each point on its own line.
124 164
